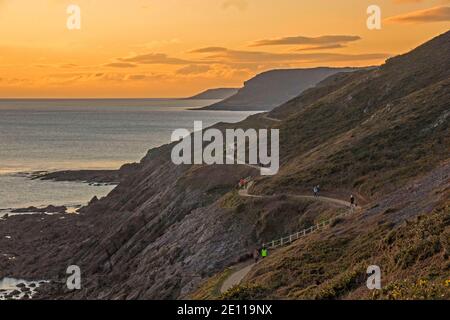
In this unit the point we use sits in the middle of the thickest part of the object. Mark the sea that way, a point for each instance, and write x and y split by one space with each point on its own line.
57 134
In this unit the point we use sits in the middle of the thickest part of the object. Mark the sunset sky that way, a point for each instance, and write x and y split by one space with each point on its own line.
175 48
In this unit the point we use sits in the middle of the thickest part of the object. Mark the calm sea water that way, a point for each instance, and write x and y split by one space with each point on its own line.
53 135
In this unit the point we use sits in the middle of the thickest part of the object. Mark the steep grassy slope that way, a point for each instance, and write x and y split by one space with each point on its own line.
371 133
383 135
413 255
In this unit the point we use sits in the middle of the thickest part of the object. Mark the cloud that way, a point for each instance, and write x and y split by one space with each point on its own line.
136 77
193 69
209 50
120 65
301 40
436 14
69 65
159 43
314 48
155 58
235 56
238 4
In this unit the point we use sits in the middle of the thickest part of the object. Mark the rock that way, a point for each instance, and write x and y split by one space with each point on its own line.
25 210
93 200
49 209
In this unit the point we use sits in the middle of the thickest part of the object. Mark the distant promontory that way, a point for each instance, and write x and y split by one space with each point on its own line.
273 88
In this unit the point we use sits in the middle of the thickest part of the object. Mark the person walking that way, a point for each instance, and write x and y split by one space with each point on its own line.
264 252
315 191
241 184
256 255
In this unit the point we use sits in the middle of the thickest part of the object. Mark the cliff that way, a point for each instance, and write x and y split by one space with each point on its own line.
273 88
170 231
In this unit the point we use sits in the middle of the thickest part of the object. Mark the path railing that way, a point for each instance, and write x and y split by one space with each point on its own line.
294 237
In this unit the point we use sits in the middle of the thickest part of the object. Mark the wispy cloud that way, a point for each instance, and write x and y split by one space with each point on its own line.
155 58
302 40
136 77
120 65
315 48
241 56
436 14
209 50
238 4
193 69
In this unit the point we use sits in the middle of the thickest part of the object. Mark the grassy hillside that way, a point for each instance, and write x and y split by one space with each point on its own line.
382 134
371 133
414 261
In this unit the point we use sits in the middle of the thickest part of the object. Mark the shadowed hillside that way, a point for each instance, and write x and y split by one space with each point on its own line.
384 136
372 132
218 94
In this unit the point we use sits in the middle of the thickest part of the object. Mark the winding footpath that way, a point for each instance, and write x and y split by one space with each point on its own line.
236 277
265 116
243 269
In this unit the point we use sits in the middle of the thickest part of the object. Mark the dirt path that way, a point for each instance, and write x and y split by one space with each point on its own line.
244 193
236 278
323 199
271 119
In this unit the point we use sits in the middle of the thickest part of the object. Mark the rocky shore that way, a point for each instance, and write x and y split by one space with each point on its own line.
95 177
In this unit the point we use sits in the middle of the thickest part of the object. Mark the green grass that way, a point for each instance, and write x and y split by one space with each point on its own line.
414 259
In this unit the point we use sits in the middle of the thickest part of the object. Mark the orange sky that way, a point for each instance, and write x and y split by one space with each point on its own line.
174 48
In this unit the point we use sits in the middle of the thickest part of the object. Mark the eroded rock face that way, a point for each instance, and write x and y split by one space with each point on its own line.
48 209
156 235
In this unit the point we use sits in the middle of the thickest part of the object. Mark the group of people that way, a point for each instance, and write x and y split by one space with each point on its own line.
243 183
260 253
316 191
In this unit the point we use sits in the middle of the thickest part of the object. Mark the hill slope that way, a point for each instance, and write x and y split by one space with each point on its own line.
215 94
273 88
383 135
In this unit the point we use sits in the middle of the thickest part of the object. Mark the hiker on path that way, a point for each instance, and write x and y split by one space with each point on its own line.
316 191
256 255
264 252
353 202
